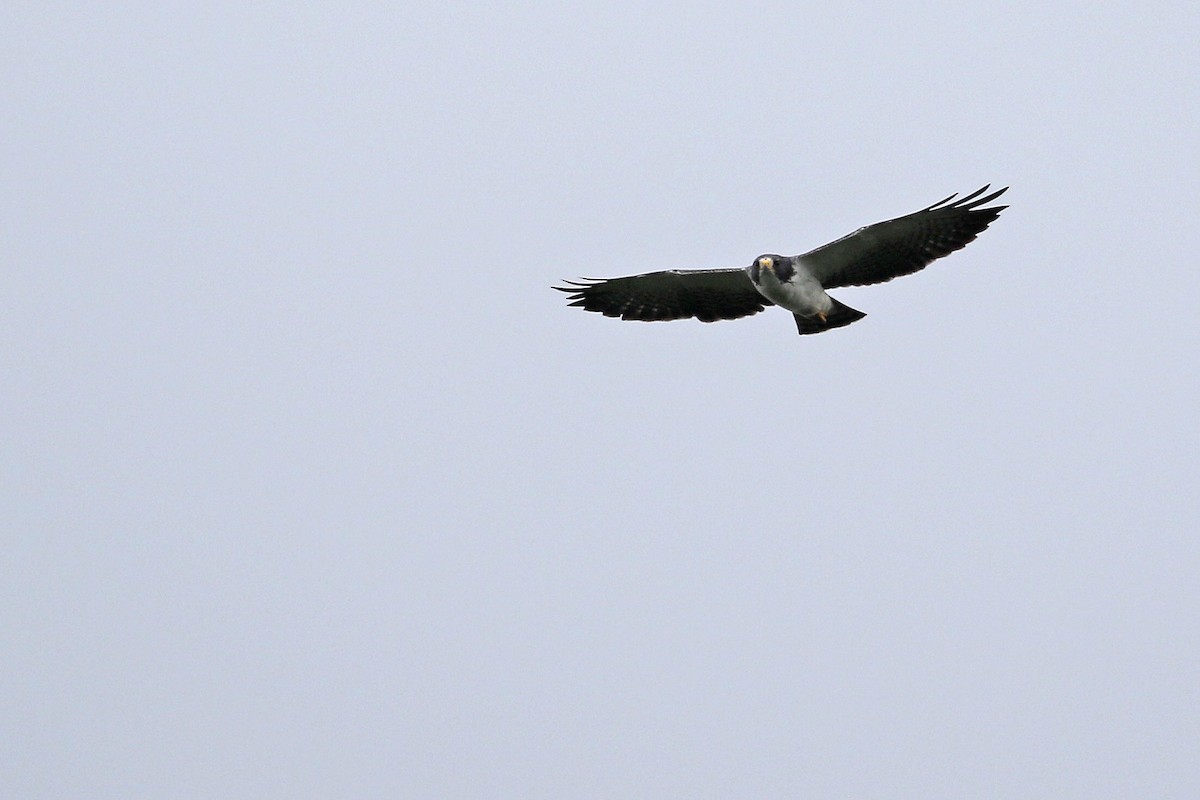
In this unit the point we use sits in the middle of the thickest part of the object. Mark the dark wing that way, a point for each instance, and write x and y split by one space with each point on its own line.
706 294
901 246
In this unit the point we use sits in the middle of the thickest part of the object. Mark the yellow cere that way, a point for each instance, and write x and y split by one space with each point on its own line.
766 263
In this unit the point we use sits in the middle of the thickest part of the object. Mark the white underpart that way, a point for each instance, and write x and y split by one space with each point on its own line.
801 295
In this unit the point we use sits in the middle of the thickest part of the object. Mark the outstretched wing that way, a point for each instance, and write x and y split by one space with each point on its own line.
904 245
706 294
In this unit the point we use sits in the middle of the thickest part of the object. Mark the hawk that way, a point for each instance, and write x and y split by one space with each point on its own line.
873 254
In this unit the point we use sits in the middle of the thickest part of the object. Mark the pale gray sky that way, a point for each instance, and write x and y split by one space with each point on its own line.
313 488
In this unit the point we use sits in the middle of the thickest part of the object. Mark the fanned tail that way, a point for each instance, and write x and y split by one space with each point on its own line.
839 316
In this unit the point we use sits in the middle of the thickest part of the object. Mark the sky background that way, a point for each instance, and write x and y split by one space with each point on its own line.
313 488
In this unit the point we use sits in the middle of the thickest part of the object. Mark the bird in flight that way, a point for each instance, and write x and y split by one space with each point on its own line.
873 254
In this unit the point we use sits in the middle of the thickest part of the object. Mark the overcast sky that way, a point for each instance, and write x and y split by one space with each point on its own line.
313 488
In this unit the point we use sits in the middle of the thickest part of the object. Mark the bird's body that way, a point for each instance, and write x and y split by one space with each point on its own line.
790 287
873 254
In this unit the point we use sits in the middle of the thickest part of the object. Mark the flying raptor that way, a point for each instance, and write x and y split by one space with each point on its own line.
873 254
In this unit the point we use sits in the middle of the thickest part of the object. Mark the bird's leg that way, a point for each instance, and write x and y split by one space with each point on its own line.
821 316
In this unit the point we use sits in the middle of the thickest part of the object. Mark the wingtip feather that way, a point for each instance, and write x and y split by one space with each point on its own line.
983 200
941 202
969 202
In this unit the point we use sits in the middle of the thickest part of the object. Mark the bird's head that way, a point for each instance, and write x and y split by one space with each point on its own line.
780 267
